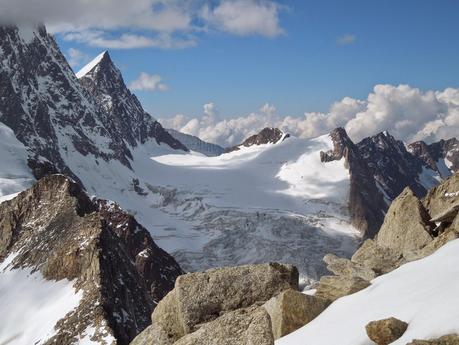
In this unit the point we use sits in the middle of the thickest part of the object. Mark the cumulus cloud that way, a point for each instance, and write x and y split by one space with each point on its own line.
148 82
346 39
245 17
406 112
124 24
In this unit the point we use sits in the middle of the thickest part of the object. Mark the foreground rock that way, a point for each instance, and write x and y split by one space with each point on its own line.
407 227
252 304
56 229
251 326
384 332
445 340
291 310
409 232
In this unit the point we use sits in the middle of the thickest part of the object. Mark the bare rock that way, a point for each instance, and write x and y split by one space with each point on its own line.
443 197
407 225
334 287
452 339
291 310
345 267
203 296
384 332
247 326
377 258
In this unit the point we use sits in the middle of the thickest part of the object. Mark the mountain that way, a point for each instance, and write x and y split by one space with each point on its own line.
267 135
56 118
104 82
195 144
84 268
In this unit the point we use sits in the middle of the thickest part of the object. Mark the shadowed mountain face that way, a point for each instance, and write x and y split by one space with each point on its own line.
381 167
113 264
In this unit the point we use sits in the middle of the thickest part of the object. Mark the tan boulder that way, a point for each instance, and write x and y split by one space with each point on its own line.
384 332
249 326
333 287
203 296
407 225
291 310
445 340
345 267
377 258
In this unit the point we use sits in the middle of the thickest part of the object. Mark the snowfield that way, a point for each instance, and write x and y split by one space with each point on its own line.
15 175
422 293
273 202
32 305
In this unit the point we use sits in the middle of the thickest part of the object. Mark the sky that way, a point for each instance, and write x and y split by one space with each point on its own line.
197 64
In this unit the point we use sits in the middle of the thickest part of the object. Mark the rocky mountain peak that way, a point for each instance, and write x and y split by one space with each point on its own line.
268 135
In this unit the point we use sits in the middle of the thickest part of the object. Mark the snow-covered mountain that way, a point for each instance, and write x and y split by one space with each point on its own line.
195 144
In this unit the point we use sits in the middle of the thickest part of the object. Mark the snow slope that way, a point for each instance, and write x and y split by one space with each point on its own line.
273 202
422 293
31 305
15 175
88 67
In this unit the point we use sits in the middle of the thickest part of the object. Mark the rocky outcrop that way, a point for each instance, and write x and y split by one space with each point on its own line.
265 136
441 156
221 303
409 232
384 332
55 228
291 310
247 326
452 339
407 227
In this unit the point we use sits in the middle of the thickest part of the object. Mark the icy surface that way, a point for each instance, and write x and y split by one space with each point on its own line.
31 305
15 175
273 202
86 69
422 293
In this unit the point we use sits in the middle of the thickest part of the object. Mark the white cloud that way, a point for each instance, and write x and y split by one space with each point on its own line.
148 82
406 112
246 17
346 39
124 24
76 57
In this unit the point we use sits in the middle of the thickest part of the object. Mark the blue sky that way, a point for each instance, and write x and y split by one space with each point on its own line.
306 67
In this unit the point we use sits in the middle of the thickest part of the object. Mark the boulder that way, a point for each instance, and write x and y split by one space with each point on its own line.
452 339
333 287
246 326
291 310
443 196
384 332
345 267
377 258
201 297
407 227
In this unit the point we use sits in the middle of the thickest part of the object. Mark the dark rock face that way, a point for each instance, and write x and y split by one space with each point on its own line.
432 154
381 167
124 112
55 228
266 136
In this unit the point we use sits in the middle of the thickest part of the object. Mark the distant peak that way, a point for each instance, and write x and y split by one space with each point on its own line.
91 65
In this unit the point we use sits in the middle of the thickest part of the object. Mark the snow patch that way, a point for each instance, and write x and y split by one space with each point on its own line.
422 293
32 305
88 68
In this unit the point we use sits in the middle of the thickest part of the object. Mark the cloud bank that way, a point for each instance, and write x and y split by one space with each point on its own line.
120 24
406 112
